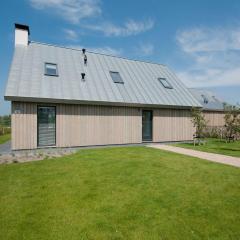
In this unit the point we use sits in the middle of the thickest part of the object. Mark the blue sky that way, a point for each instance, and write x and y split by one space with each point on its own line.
199 40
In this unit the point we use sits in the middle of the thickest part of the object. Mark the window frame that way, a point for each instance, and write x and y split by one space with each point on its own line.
169 86
45 69
55 113
115 72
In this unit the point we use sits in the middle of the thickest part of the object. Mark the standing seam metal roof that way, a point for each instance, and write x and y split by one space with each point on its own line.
141 85
213 102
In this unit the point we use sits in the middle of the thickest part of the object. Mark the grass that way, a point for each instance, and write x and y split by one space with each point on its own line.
5 138
120 193
216 146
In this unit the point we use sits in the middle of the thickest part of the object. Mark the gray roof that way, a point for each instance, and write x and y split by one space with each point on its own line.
141 86
212 102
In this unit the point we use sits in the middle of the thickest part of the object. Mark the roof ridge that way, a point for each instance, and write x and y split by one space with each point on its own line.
104 54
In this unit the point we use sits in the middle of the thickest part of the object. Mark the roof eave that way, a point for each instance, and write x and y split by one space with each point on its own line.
87 102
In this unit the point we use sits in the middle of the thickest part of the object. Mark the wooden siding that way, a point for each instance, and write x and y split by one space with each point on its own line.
78 125
214 119
24 125
83 125
172 125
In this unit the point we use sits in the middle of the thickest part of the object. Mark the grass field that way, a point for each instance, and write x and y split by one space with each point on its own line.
120 193
5 138
216 146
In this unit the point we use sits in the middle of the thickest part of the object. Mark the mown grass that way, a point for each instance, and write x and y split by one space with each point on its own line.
215 146
120 193
5 138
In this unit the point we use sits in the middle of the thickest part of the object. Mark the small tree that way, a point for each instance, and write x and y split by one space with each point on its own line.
199 122
232 122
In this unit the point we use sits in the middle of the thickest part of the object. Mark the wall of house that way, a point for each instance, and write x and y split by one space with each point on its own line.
172 125
214 119
83 125
24 125
97 125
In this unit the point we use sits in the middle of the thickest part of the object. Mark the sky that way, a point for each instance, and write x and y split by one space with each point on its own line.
198 40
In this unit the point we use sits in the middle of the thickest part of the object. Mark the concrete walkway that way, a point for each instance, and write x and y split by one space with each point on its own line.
5 148
233 161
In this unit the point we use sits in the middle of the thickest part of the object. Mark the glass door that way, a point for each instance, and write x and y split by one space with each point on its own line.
46 117
147 117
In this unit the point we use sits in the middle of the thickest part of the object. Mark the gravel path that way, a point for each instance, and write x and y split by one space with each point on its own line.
5 147
233 161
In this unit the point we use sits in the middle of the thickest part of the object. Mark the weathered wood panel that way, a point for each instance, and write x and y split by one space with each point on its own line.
24 125
214 119
82 125
172 125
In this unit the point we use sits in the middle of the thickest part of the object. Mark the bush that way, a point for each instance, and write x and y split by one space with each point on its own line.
215 132
5 130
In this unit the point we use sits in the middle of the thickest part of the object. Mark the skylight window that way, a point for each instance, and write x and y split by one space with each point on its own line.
165 83
116 77
51 69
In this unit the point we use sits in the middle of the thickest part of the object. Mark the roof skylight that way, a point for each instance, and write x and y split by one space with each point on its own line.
51 69
165 83
116 77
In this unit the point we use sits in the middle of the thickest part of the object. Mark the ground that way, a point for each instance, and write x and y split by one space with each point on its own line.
120 193
5 138
216 146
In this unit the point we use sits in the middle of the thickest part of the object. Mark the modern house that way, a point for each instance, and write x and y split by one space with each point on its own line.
213 107
63 97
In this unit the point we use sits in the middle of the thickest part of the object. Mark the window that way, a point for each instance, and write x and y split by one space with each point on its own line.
116 77
51 69
205 100
165 83
46 125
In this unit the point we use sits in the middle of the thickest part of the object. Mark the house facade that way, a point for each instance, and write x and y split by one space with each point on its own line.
63 97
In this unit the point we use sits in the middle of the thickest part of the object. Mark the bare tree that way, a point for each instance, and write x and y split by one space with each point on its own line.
199 122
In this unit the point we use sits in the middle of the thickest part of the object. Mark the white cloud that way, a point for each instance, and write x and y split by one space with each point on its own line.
207 39
74 11
130 27
71 10
145 49
103 50
214 56
70 34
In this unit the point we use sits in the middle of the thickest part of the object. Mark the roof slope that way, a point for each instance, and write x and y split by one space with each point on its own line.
141 85
211 102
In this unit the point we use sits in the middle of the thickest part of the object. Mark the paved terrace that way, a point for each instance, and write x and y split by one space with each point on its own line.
228 160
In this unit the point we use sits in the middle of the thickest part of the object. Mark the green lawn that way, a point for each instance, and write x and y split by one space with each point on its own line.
5 138
216 146
120 193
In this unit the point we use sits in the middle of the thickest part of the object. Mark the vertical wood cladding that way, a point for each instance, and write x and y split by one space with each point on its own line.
85 125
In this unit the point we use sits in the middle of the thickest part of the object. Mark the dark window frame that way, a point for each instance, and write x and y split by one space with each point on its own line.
151 116
115 72
45 69
55 107
168 86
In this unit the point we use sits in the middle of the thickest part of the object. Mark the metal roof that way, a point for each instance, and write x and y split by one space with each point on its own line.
212 102
141 86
